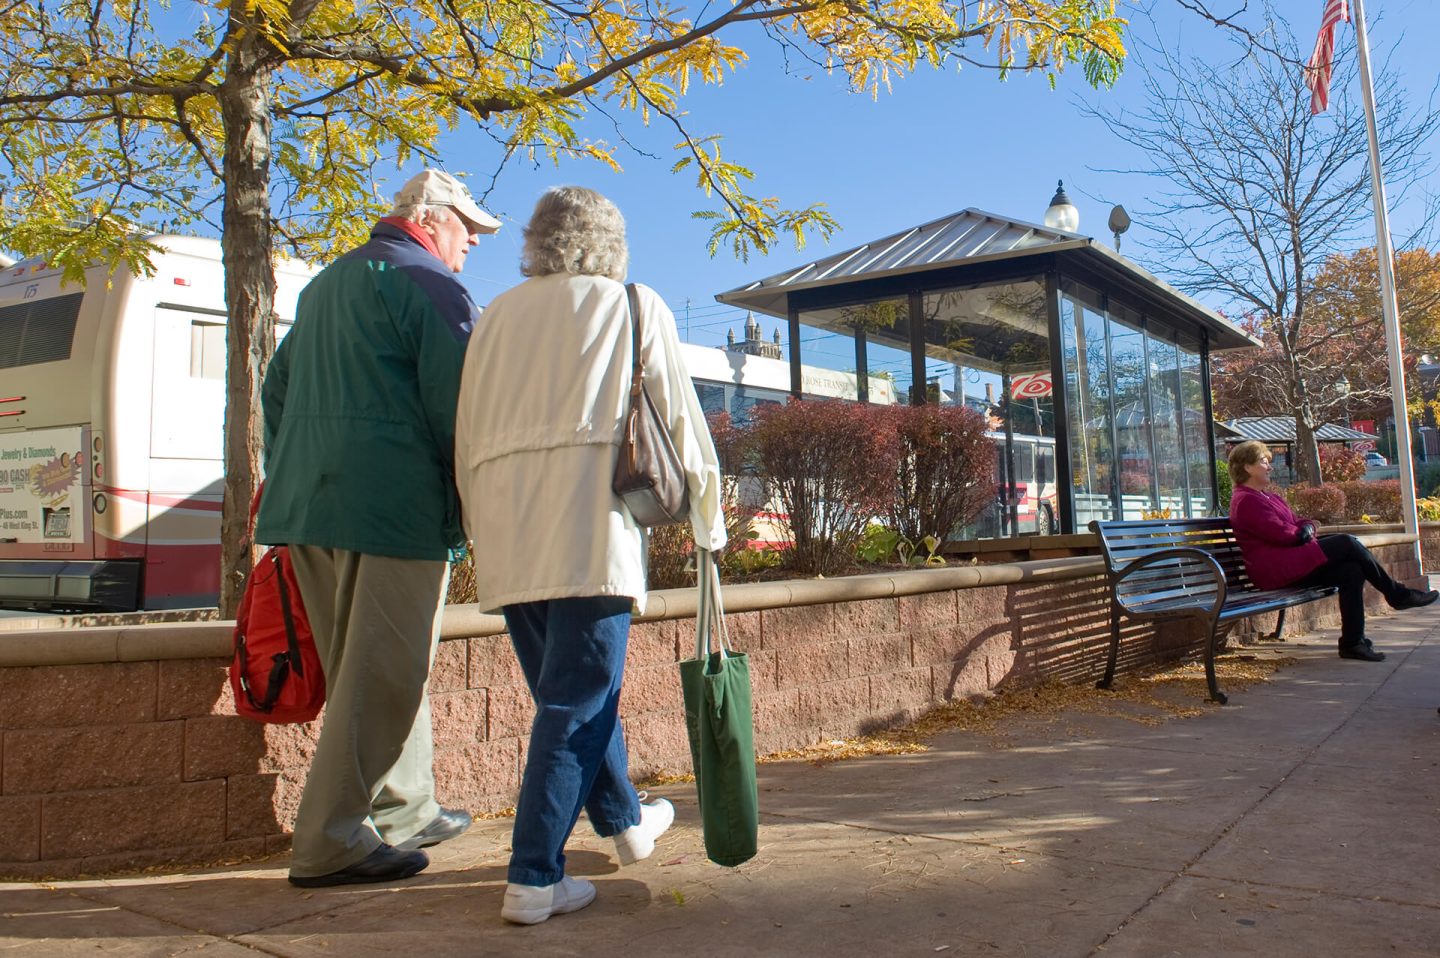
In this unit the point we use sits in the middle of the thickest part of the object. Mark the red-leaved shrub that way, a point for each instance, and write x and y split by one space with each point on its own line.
946 473
1378 500
733 444
667 562
1338 464
671 547
744 492
833 466
1325 504
1134 481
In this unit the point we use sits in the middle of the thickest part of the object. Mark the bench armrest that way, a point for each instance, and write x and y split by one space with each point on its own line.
1199 558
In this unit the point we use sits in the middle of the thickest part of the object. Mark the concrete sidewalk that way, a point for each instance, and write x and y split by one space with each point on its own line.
1301 819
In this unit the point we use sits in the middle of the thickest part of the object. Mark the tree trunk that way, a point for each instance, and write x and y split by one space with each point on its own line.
1307 450
250 301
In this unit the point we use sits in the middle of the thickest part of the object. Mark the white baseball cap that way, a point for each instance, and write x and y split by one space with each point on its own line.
438 188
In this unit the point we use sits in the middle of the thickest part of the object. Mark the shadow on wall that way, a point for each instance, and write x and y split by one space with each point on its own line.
988 653
1062 634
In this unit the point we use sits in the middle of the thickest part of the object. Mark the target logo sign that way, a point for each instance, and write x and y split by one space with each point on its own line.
1031 386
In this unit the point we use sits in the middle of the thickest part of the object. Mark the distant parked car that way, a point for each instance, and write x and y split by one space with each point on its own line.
1375 459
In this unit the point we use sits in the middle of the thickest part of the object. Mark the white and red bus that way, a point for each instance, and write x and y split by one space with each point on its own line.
1030 507
112 405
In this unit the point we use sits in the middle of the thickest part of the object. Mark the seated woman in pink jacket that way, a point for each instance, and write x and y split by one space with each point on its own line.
1281 549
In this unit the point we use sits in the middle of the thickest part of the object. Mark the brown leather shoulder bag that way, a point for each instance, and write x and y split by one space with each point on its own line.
648 475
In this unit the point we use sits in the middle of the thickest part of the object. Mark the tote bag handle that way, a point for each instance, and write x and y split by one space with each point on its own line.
710 615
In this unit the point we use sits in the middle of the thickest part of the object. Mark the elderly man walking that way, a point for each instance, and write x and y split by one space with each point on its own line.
359 406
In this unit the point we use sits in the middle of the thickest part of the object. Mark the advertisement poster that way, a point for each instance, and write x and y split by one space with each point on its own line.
41 486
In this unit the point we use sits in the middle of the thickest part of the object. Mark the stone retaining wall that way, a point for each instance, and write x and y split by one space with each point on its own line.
119 747
1430 545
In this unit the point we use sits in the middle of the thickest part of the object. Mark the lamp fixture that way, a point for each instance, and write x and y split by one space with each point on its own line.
1062 214
1119 223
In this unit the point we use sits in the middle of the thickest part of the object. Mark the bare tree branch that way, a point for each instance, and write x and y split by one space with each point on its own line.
1255 193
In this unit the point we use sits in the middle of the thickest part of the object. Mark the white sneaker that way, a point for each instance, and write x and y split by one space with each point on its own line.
638 841
531 904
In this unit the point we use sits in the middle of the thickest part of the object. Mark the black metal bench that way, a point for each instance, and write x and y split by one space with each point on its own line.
1162 568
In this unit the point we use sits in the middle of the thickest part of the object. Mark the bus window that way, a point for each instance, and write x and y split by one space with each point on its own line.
38 331
712 397
745 404
1024 462
187 414
1045 465
207 350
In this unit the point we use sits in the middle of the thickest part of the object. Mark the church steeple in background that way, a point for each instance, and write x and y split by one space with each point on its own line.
754 343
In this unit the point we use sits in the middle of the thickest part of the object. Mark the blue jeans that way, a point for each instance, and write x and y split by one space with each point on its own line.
572 652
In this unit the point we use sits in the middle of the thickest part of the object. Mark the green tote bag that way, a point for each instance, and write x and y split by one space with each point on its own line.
720 722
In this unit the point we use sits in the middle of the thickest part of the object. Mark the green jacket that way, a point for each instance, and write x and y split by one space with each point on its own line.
359 406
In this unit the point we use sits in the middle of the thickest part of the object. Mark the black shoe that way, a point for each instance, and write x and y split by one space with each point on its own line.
1361 650
450 823
1414 599
385 863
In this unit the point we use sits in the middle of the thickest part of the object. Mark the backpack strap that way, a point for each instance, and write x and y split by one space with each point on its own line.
291 639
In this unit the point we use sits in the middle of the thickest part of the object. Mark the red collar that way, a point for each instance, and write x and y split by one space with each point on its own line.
414 231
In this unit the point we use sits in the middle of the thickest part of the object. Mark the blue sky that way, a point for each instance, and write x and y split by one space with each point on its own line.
938 143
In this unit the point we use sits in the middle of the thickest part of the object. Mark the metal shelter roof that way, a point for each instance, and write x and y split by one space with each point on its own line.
971 237
1280 429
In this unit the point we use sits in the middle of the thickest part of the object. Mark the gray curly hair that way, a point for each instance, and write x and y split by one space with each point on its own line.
575 230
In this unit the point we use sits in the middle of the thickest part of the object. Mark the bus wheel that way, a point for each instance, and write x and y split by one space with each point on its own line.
1048 525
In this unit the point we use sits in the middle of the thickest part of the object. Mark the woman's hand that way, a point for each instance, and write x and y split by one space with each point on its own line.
1306 532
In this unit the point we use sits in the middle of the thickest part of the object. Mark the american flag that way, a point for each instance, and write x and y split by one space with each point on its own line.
1317 71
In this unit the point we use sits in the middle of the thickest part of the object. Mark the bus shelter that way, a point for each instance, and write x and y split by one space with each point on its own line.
1278 432
1094 373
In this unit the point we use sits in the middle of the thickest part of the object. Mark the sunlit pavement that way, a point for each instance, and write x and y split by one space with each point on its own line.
1301 819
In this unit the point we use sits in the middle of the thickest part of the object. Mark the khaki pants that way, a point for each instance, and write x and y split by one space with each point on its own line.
376 621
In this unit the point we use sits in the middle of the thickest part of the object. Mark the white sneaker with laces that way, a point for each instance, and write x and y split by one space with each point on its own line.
531 904
638 841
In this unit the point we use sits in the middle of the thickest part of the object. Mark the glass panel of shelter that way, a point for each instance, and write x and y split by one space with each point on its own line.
1200 477
1133 418
1134 388
1182 483
1163 359
988 347
1136 412
1085 351
841 340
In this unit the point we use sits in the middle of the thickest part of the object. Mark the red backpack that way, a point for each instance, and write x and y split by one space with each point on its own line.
276 673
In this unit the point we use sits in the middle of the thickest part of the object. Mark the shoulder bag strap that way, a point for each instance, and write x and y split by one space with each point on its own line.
637 362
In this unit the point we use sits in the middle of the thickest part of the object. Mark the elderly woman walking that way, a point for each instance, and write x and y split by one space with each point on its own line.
543 393
1282 549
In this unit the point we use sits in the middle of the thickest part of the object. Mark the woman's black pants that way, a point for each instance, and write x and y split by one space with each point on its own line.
1350 565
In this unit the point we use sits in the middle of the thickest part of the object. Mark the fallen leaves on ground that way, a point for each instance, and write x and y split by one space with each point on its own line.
1148 698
